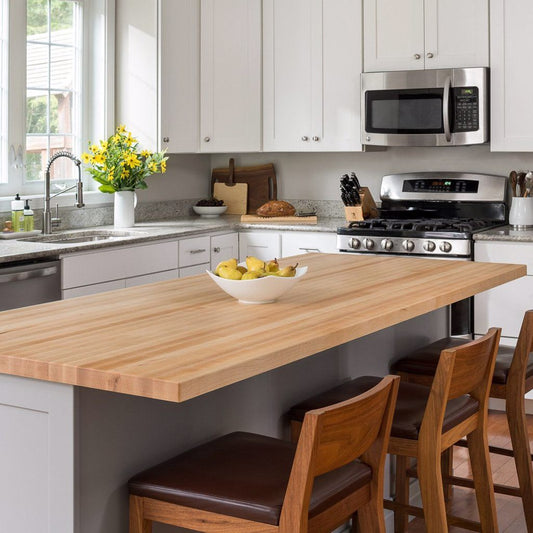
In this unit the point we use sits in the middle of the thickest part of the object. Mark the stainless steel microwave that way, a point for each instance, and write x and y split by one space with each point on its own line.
444 107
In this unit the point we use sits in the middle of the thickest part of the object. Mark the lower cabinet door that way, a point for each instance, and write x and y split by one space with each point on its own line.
264 245
93 289
193 270
152 278
303 242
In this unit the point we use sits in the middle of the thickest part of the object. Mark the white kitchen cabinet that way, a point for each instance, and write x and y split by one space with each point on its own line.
230 87
194 251
425 34
311 75
151 278
224 247
264 245
94 288
511 47
504 306
303 242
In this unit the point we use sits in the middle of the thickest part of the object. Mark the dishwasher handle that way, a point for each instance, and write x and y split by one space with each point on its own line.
28 274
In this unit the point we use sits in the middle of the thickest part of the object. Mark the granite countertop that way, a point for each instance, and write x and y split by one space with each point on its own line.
505 233
18 250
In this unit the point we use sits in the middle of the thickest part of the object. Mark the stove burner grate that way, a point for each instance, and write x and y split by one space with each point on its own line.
453 224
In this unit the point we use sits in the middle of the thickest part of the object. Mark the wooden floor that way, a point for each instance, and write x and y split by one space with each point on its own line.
509 509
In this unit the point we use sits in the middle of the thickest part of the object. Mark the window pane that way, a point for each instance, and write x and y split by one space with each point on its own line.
61 112
37 66
62 68
37 112
3 92
37 20
36 157
62 22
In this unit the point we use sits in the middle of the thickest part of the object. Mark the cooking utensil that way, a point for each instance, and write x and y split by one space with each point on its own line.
522 183
513 177
234 195
528 184
355 181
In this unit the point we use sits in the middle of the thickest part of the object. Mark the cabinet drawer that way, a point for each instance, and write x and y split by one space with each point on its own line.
194 251
140 260
505 252
152 278
94 289
298 242
193 270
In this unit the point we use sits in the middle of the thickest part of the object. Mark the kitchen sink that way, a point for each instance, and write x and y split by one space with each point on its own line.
73 237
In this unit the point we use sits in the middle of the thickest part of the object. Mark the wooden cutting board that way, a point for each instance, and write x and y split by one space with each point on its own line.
234 195
261 180
279 220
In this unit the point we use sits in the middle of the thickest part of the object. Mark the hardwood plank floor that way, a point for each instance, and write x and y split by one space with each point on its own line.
463 503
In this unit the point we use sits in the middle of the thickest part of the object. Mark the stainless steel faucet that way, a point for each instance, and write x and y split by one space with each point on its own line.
47 214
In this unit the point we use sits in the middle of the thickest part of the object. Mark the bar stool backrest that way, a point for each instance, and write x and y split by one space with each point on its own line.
524 347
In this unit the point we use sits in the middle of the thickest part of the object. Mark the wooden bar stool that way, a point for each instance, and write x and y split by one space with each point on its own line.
244 482
513 377
429 420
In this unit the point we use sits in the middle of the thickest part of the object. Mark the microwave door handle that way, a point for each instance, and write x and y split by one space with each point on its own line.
446 109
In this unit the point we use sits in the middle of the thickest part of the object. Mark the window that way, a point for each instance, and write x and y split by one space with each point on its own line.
42 91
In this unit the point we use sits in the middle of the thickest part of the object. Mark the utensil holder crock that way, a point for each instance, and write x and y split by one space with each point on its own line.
521 214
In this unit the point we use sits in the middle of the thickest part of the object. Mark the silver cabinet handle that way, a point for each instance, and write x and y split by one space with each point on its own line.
305 138
429 55
166 139
28 274
207 139
310 250
417 56
198 251
216 249
316 139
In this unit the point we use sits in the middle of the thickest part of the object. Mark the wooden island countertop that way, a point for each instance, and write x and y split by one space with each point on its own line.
178 339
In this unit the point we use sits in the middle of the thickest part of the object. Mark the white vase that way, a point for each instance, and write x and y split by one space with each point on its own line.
124 215
521 214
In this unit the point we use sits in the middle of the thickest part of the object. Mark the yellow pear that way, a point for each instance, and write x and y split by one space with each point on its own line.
242 269
254 274
272 266
287 272
252 263
229 273
230 263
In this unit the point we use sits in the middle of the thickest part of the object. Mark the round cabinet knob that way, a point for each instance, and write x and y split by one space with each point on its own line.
354 243
429 246
216 249
445 247
368 244
166 139
305 138
316 139
429 55
368 138
417 56
207 139
408 245
387 244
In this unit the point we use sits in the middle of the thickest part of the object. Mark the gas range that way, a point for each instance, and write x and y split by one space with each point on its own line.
429 214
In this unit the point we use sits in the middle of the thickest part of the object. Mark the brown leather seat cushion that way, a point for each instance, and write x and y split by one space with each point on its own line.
410 405
243 475
424 360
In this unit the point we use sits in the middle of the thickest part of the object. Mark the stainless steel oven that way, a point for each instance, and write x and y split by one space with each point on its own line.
444 107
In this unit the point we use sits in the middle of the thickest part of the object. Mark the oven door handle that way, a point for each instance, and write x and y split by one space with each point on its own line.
446 109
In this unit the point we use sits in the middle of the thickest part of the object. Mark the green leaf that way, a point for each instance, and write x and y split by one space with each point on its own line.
106 188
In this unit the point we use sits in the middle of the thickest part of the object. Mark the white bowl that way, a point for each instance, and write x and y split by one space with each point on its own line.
258 291
207 211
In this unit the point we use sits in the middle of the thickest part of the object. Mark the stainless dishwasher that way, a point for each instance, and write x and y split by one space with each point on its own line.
29 283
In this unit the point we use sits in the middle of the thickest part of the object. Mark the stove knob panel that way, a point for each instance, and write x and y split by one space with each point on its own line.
445 247
354 243
408 245
387 244
368 244
429 246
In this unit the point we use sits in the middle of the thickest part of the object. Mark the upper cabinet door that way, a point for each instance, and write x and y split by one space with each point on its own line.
511 75
230 109
393 35
456 33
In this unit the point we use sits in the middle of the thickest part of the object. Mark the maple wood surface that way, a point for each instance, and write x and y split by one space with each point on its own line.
178 339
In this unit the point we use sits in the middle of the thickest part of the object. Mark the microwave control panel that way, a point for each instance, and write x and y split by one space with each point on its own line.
466 109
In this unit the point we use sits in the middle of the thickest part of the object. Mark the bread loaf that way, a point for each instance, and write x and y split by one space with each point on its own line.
276 208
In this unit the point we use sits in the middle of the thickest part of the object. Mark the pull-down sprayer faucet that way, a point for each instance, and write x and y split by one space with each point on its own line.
47 213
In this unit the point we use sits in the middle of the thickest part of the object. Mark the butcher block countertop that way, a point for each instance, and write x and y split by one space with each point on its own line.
179 339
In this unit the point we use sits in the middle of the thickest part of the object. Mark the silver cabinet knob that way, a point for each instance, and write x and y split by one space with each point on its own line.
305 138
429 55
408 245
387 244
429 246
354 243
207 139
316 139
417 56
445 247
216 249
368 244
166 139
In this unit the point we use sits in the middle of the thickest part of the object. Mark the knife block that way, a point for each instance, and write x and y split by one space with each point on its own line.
366 209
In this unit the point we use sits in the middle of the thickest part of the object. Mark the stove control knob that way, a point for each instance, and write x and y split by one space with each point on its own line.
368 244
387 244
408 245
354 243
445 247
429 246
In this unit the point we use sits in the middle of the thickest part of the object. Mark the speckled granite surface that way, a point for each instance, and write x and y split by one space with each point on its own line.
505 233
18 250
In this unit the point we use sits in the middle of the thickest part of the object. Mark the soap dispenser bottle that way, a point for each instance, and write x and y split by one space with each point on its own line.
17 214
28 217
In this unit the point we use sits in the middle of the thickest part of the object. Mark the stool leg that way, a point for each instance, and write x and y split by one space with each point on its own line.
478 450
447 470
516 418
137 522
401 493
431 489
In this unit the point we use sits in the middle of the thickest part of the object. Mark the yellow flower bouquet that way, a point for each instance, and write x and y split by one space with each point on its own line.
118 164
